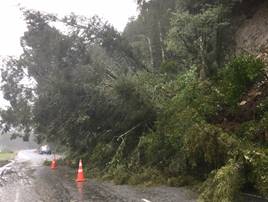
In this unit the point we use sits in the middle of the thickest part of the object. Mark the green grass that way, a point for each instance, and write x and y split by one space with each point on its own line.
5 156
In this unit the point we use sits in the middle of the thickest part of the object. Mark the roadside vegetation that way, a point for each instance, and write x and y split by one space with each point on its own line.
165 102
5 157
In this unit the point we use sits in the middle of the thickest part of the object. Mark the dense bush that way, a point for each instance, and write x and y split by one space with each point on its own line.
257 168
170 67
261 108
237 76
101 155
120 174
207 147
184 143
147 176
222 185
255 130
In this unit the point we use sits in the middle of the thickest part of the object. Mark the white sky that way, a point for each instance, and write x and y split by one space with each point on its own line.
116 12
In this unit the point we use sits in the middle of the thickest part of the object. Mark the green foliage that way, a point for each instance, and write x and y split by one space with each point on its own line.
207 147
257 165
254 130
182 181
248 130
222 185
202 96
5 156
18 115
264 123
46 163
170 67
262 107
154 150
147 176
237 76
120 175
178 167
197 38
80 93
148 32
182 128
101 155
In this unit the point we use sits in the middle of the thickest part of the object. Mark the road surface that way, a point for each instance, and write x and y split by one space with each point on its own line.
27 180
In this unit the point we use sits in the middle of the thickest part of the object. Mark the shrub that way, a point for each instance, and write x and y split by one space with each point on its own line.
207 147
248 130
177 165
222 185
120 175
262 107
240 74
154 150
255 130
170 67
181 181
264 128
101 155
257 163
147 177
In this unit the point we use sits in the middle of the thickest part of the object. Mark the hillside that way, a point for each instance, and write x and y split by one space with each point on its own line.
251 36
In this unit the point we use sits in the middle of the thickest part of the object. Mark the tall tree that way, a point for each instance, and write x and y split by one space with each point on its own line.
199 36
151 28
73 98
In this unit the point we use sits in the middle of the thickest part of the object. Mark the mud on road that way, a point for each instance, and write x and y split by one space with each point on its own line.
27 180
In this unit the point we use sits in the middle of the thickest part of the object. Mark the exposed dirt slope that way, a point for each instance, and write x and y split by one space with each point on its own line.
252 33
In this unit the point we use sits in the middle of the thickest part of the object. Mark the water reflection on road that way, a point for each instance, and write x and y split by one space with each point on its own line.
28 180
80 189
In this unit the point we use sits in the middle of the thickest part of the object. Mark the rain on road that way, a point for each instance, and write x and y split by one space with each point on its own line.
27 180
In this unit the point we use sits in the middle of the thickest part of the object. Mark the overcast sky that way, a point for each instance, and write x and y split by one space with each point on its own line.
117 12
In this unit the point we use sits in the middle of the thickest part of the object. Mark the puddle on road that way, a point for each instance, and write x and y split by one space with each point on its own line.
40 183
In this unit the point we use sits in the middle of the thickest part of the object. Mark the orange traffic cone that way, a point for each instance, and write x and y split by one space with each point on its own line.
53 164
80 174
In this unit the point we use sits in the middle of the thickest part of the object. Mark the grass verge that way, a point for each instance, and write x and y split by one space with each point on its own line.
5 156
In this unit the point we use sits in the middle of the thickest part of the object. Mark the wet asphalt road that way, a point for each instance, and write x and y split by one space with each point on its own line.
27 180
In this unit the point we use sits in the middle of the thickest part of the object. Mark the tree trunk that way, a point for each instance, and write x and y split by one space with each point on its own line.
161 41
203 66
150 51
